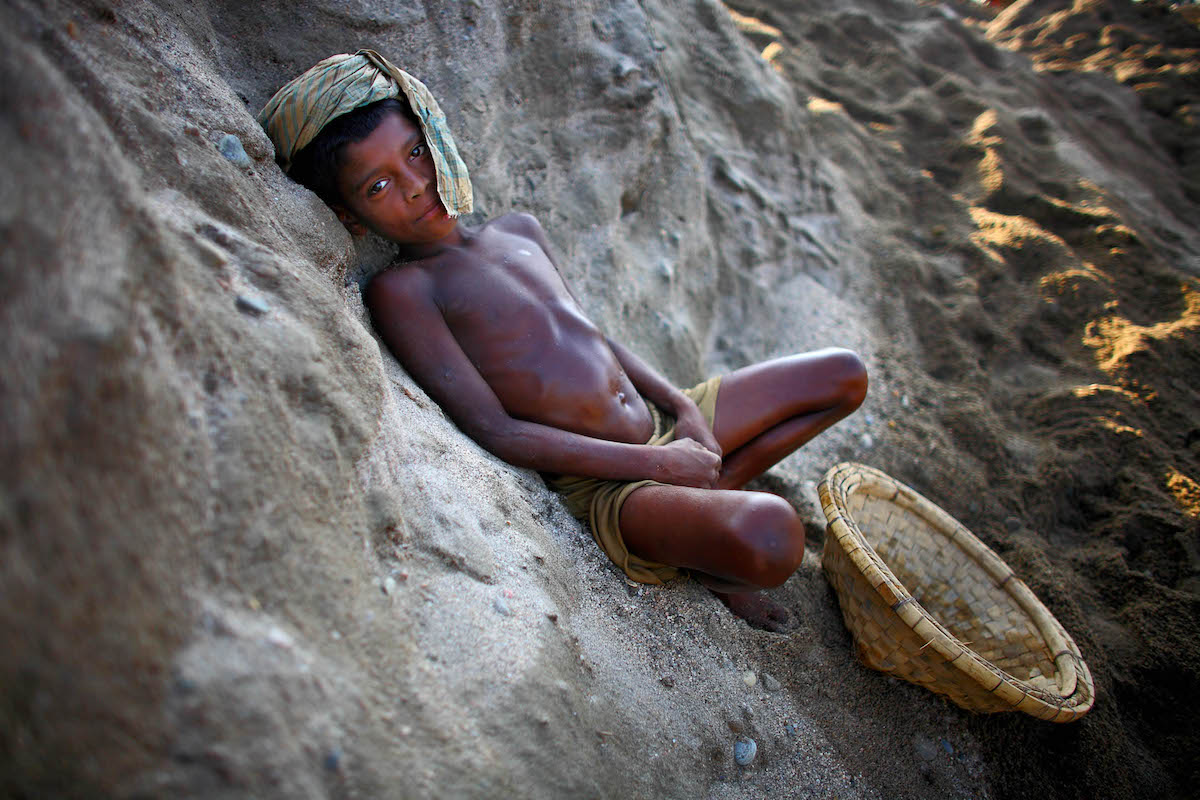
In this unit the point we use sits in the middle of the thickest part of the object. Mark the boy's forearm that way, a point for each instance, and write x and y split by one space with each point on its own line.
547 449
690 422
648 380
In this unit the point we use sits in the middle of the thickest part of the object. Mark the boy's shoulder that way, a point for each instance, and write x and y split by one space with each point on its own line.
397 286
519 222
420 277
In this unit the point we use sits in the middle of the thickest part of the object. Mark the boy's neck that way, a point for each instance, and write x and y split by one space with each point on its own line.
457 237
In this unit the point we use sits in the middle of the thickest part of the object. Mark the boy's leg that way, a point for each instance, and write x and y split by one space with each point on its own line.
733 542
767 411
738 542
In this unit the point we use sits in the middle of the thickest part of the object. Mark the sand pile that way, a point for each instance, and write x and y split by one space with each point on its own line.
245 555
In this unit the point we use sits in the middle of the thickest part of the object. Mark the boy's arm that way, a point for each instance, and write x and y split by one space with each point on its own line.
689 421
412 326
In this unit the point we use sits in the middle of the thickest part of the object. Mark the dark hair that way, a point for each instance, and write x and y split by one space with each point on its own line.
316 166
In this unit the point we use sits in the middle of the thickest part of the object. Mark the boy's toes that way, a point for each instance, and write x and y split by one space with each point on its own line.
777 619
757 610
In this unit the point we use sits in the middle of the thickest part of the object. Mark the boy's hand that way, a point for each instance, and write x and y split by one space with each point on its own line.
690 424
686 462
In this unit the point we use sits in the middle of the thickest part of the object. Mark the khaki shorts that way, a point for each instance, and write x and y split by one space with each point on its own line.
599 501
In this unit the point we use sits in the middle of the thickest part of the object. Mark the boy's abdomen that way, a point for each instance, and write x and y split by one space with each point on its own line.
583 393
571 381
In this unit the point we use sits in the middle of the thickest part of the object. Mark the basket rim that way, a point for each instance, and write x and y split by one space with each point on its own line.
1076 689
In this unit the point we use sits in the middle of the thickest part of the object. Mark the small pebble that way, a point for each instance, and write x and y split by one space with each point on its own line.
749 678
389 585
255 305
744 751
501 607
949 748
904 401
925 748
1013 524
790 728
770 684
667 681
333 760
280 638
866 441
552 617
231 147
626 67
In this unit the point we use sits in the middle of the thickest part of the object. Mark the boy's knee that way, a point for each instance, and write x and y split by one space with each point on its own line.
851 374
770 536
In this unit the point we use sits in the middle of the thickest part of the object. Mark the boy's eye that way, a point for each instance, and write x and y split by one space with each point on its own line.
418 151
376 187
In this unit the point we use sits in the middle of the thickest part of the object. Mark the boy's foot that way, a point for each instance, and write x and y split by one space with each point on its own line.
757 610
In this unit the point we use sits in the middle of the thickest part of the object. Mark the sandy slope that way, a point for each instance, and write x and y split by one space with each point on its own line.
1048 265
244 555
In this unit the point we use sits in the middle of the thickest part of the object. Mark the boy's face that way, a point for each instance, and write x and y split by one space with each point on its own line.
389 186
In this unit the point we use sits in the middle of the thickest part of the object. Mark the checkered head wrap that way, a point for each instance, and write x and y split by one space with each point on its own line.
342 83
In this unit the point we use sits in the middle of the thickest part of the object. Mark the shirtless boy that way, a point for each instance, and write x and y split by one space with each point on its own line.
484 321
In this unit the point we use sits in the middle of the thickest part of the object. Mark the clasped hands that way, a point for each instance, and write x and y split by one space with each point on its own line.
694 457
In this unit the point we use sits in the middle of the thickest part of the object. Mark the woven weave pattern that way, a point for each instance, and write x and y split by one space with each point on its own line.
928 602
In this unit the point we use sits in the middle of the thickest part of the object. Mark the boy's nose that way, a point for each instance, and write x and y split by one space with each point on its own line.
414 183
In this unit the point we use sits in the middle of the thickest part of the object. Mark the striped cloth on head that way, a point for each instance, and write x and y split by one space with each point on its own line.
342 83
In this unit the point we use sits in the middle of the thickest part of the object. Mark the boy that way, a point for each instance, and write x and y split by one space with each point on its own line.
484 321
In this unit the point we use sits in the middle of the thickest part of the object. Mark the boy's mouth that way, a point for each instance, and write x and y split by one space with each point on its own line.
433 209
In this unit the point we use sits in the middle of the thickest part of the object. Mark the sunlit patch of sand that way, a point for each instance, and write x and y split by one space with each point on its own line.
991 172
997 233
1114 426
1115 339
983 130
771 53
1185 491
761 34
1103 389
1008 231
819 105
752 25
1075 416
1078 287
1151 48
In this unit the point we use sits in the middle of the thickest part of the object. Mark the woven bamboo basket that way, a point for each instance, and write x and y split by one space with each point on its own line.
928 602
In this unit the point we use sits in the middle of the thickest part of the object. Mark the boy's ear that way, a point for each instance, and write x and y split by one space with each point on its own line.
348 219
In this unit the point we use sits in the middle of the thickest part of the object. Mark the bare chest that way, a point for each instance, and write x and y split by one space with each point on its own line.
517 296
